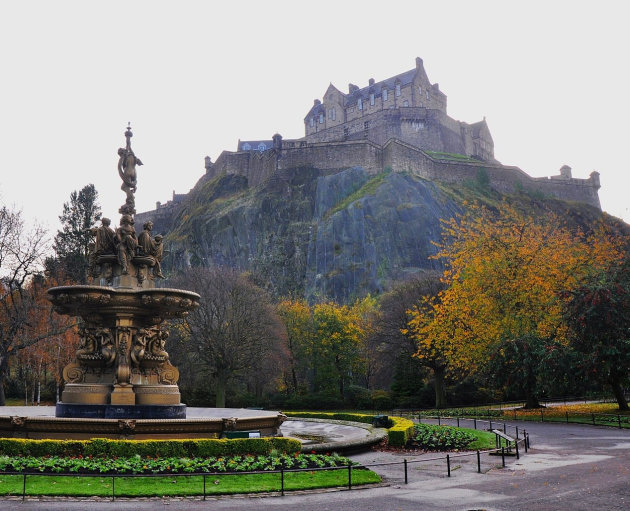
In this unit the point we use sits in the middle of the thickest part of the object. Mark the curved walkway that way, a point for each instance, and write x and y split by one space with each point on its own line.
568 467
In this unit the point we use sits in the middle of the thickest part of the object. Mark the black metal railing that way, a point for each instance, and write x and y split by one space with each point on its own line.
503 451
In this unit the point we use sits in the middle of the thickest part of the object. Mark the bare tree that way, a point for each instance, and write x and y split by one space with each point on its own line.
21 253
235 331
388 345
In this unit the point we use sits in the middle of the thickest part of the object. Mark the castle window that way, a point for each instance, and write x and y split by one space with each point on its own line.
384 94
372 99
360 104
405 103
321 118
246 147
312 122
420 89
427 94
261 147
334 113
397 89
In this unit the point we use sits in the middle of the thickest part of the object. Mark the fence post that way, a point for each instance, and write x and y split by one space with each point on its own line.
542 416
458 422
529 445
349 475
593 418
24 487
281 481
567 416
504 428
525 439
517 432
503 457
619 420
406 478
490 423
518 457
475 419
439 419
514 413
478 462
204 487
113 488
448 465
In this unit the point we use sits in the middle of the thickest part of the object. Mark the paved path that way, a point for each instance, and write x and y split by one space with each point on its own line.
569 467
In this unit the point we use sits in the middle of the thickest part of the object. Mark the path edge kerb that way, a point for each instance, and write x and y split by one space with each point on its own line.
375 436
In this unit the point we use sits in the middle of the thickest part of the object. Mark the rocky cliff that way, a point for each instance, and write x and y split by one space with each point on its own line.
305 232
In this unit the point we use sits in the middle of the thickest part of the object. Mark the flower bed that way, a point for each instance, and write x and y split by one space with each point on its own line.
441 438
168 465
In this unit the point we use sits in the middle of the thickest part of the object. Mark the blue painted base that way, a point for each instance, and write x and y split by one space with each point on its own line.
70 410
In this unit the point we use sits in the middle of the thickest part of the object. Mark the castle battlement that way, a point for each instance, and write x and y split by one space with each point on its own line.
400 124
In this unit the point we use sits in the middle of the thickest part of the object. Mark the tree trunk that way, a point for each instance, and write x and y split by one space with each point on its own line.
220 390
3 372
531 400
440 391
619 396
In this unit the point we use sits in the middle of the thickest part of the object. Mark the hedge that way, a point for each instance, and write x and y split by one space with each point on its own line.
192 448
398 434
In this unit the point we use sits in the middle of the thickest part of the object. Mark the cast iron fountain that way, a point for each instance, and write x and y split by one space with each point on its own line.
121 368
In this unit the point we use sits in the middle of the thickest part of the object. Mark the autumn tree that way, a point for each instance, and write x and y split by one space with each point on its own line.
393 343
505 274
298 321
21 252
598 314
336 349
235 332
71 243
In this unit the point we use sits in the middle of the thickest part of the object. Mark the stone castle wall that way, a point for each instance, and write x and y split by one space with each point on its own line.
421 127
400 156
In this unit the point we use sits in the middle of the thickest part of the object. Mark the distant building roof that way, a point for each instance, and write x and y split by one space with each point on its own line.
255 145
390 83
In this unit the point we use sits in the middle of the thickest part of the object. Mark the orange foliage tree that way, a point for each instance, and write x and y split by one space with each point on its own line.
505 274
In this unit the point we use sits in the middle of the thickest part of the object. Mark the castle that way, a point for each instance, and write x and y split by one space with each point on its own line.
401 124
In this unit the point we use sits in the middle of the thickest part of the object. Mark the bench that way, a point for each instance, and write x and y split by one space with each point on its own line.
510 441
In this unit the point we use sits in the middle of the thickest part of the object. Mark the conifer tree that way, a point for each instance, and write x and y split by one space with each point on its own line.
72 241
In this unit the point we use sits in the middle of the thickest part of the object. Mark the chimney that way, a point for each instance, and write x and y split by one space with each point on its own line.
352 88
316 102
371 81
419 63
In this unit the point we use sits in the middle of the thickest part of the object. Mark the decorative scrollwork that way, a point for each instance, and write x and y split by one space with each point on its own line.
168 375
73 373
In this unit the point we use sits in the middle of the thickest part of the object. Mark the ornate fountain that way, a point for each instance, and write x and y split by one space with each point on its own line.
121 368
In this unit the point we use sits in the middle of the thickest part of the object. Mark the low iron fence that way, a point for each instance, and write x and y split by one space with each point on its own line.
539 415
505 452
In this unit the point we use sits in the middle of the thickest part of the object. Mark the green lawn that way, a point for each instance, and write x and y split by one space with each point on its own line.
182 485
485 439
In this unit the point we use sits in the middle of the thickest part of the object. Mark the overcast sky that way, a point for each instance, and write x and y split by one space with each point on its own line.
551 77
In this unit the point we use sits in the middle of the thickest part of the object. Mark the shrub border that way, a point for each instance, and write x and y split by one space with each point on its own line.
202 447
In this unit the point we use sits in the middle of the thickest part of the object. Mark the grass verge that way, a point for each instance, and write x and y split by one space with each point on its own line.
101 486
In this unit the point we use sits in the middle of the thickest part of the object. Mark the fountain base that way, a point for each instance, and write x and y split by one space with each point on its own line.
120 411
